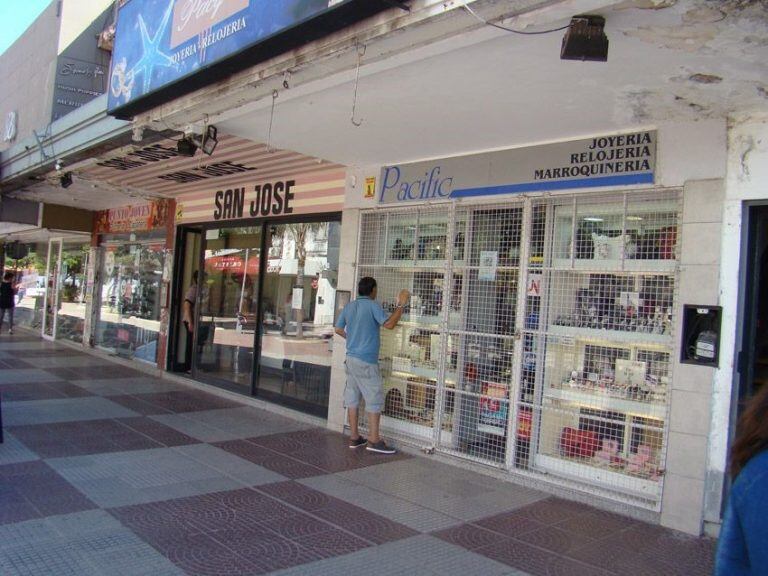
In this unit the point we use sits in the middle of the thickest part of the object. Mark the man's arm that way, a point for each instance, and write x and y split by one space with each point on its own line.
187 315
394 318
341 332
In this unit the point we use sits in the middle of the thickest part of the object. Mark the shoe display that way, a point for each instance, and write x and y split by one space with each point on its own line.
360 441
380 447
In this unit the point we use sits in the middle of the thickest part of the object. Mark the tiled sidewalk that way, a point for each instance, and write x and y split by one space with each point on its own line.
105 470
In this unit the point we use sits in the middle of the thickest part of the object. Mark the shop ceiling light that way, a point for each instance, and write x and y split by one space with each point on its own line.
585 39
186 146
66 180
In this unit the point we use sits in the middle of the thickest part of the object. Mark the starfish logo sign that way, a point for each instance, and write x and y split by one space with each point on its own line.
152 56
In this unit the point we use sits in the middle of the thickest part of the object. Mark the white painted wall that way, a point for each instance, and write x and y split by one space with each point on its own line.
28 69
692 156
747 179
76 16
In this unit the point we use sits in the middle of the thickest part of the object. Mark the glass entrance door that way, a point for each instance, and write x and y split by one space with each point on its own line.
226 300
71 307
297 314
53 270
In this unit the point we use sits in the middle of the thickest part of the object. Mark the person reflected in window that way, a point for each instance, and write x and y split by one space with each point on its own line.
360 324
743 546
7 299
188 318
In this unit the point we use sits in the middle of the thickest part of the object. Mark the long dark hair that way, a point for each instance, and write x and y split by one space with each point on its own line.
751 432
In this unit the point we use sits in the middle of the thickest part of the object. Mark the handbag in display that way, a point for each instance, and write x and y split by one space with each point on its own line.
578 443
401 250
584 247
667 242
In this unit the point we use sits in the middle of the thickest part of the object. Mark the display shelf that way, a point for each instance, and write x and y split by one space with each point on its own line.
419 321
413 266
611 337
421 372
587 399
604 477
613 266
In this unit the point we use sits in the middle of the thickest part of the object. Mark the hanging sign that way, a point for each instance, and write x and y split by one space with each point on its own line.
534 285
297 302
620 160
489 261
494 408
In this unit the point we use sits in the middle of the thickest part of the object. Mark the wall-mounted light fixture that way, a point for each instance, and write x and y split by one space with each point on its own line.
585 39
186 147
207 141
66 180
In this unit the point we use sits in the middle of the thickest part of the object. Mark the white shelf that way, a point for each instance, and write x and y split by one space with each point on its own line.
587 399
611 336
609 479
415 266
614 266
423 320
429 373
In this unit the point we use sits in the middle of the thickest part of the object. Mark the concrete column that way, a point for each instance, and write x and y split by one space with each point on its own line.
347 256
692 386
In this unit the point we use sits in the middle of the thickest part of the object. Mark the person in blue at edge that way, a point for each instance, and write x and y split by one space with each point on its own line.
743 545
360 324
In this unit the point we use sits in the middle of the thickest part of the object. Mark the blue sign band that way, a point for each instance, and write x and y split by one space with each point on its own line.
623 180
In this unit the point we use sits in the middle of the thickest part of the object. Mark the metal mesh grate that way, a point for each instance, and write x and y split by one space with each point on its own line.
538 336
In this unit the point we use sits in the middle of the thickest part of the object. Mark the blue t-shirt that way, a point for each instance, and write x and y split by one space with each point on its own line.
743 546
362 320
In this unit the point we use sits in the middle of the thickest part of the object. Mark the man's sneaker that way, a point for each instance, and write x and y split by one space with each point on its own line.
357 443
380 447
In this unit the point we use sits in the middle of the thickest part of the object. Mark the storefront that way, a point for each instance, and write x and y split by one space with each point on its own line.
543 335
129 282
50 263
258 263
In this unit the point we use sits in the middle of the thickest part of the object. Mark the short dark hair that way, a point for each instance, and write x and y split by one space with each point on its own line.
366 286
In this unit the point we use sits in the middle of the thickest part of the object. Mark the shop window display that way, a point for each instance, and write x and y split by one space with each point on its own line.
71 310
298 307
31 281
128 320
607 339
554 315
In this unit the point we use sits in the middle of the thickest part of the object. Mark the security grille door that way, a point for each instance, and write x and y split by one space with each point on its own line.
539 334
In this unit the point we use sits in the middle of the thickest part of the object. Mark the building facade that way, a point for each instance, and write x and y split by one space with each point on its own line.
570 232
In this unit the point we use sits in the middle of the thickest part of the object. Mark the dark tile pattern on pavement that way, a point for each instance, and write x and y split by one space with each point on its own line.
244 498
555 536
41 391
176 402
33 490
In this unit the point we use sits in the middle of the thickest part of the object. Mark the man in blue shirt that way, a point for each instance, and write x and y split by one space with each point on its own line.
360 323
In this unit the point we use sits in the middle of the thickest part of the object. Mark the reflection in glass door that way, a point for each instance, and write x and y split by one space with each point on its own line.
226 302
53 269
71 309
297 314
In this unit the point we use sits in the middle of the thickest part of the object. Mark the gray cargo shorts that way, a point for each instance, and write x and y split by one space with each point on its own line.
364 380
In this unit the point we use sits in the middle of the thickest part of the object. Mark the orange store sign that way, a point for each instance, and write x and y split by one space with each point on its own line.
134 218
